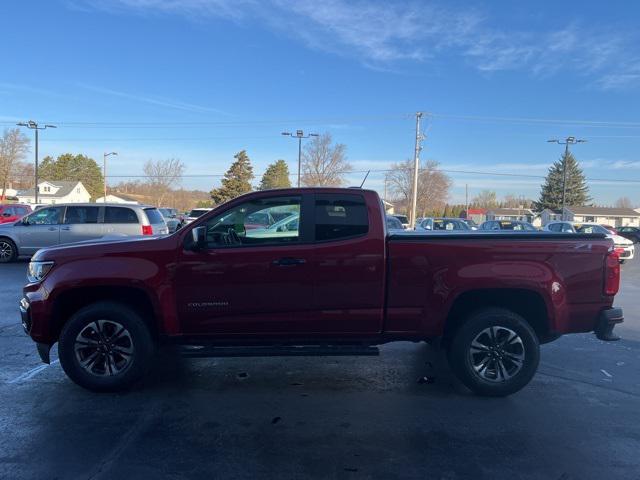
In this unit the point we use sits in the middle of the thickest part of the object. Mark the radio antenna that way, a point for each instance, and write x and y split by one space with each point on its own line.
365 178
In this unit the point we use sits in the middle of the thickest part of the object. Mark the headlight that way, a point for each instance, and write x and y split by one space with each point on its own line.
38 270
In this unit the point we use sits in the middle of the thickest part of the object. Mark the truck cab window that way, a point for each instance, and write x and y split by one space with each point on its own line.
340 216
267 221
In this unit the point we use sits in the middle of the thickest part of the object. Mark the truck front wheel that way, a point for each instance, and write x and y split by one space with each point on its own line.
105 347
494 352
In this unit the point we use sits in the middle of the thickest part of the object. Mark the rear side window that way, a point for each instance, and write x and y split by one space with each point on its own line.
81 215
119 215
7 212
340 216
22 210
154 216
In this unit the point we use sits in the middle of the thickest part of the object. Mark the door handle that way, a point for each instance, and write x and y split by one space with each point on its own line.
288 261
52 229
66 228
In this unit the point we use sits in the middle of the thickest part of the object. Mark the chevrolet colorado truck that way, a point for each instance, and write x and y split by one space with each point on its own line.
323 278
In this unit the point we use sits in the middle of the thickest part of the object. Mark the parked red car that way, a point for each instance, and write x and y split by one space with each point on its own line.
335 283
12 212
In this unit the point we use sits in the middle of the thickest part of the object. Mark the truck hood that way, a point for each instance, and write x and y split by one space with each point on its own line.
107 245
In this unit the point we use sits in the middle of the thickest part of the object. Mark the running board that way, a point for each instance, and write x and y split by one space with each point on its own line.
197 351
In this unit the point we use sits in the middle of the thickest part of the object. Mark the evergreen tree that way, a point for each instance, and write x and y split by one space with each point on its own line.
236 181
276 176
72 167
577 190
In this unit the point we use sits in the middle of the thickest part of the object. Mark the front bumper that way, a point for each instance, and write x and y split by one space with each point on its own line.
27 324
608 319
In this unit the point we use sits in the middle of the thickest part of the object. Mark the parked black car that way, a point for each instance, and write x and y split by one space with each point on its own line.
632 233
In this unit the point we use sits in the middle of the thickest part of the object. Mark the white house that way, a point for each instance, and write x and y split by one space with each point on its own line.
547 215
119 198
56 191
616 217
9 193
522 214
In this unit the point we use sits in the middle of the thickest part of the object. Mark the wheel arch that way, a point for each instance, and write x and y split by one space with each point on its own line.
529 304
69 302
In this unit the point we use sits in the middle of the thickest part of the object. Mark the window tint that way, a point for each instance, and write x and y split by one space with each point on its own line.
340 216
197 213
278 217
46 216
119 215
22 210
8 212
154 216
81 215
555 227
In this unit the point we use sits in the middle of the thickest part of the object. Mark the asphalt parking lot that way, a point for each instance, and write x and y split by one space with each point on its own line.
344 418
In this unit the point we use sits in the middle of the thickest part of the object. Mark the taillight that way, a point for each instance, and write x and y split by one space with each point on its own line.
612 273
147 230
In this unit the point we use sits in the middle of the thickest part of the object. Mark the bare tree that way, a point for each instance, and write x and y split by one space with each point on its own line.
624 202
162 176
14 145
324 164
486 199
433 185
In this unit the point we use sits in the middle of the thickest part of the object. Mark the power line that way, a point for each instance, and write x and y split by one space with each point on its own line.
386 170
365 118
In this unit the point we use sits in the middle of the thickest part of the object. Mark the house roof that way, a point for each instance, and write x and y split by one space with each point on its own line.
124 196
477 211
510 211
604 211
65 188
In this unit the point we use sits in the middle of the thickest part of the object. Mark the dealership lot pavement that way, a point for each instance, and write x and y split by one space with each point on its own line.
336 417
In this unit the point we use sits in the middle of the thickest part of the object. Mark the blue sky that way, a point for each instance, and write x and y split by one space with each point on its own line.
202 79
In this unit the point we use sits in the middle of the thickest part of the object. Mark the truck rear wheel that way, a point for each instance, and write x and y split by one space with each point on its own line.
105 347
494 353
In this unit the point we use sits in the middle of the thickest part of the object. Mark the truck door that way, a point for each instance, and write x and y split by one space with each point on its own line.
348 264
249 279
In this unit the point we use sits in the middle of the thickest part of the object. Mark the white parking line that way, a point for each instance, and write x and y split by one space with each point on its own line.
32 373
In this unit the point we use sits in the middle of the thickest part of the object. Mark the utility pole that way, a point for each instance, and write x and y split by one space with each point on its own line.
416 168
34 126
104 175
299 135
466 201
566 142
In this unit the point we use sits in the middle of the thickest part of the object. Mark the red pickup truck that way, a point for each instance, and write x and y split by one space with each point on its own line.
325 278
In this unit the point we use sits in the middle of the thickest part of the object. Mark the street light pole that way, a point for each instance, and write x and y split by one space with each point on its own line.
566 142
34 126
104 166
299 135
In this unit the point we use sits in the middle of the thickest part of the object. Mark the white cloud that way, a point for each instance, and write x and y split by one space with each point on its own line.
625 164
382 35
162 102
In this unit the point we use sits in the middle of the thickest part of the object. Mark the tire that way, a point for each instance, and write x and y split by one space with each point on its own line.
486 356
105 347
8 250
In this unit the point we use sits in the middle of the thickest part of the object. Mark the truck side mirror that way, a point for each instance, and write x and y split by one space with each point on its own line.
198 237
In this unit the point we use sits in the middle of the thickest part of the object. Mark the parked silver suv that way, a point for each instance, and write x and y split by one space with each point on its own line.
75 222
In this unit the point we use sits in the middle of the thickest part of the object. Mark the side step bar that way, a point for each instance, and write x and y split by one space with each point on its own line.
197 351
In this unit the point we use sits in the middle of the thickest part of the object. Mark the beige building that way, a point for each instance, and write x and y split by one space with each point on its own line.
615 217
